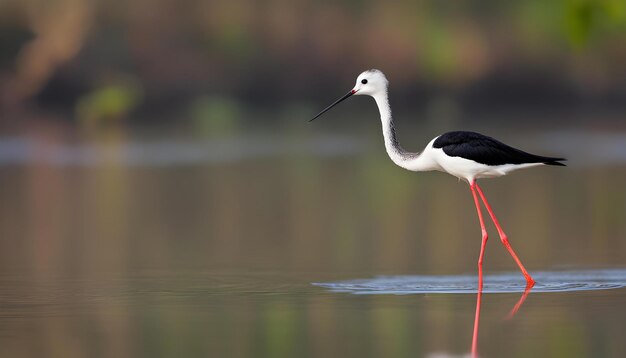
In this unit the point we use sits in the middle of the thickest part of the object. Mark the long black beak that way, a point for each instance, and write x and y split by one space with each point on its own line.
334 104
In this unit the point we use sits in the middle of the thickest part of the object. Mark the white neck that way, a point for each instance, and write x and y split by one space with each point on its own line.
397 154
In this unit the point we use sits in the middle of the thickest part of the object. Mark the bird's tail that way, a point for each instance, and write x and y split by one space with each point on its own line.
554 161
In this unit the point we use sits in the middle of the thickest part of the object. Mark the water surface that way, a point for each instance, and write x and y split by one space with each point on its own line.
546 281
122 246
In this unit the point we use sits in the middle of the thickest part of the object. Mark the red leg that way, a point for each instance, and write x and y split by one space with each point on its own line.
505 241
480 270
483 230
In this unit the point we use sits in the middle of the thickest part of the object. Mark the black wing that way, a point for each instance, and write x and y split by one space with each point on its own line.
486 150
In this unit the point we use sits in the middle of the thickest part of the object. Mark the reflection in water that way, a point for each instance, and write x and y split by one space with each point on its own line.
519 303
549 281
479 296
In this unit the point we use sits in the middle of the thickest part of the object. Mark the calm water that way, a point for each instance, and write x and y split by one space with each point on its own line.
258 246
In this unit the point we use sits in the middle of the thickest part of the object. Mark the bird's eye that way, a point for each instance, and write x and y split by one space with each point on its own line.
364 81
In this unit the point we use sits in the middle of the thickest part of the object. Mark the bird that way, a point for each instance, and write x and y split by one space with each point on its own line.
466 155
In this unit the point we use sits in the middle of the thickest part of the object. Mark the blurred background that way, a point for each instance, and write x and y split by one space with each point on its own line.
161 192
177 62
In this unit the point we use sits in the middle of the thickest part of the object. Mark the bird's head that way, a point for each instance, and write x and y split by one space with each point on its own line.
370 82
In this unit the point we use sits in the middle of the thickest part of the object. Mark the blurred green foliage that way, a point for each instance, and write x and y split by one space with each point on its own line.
586 18
110 102
262 54
215 115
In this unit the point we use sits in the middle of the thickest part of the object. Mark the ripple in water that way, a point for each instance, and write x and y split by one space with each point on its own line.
547 281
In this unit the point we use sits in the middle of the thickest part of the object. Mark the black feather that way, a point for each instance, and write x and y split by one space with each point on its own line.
486 150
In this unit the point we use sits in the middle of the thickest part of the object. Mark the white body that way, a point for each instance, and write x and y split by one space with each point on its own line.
435 159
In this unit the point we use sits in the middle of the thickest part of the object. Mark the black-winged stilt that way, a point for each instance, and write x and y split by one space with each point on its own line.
466 155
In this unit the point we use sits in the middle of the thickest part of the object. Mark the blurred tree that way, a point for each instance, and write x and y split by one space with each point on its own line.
284 51
110 102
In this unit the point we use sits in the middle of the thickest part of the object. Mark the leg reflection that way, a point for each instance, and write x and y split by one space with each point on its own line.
479 296
520 302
